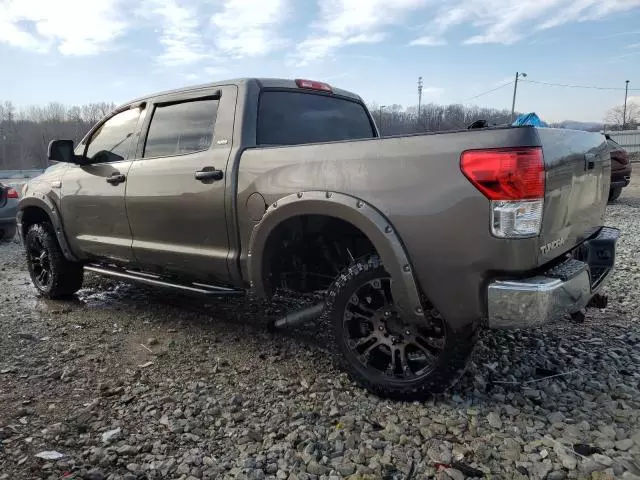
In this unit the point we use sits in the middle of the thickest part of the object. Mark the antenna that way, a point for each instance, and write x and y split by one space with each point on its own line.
419 98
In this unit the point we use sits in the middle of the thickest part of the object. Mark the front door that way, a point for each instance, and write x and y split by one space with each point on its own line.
175 192
93 193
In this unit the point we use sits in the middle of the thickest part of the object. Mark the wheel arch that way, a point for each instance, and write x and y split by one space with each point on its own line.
37 208
361 215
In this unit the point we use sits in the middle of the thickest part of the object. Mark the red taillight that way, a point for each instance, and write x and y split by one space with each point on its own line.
313 85
506 173
12 193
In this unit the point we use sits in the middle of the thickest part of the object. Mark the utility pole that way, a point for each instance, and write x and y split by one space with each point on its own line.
419 98
515 89
624 111
380 118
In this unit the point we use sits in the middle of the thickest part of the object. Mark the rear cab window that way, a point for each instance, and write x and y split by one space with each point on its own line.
294 118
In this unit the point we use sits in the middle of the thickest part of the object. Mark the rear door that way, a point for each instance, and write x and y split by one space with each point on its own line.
93 207
175 192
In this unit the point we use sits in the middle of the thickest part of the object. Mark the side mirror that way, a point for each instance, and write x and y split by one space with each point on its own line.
61 151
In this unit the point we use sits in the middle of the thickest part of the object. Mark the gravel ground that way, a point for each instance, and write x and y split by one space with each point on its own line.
130 383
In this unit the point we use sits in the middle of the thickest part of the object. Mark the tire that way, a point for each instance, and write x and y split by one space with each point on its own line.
61 278
7 233
446 366
614 193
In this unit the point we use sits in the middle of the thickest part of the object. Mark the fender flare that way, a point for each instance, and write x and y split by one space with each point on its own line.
360 214
44 203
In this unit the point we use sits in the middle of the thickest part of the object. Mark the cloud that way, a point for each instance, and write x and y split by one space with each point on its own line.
249 28
179 31
349 22
633 45
509 21
428 41
71 26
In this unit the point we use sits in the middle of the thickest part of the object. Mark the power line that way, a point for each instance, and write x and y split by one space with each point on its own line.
576 86
487 92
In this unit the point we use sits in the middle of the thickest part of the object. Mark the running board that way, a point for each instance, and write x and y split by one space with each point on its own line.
155 281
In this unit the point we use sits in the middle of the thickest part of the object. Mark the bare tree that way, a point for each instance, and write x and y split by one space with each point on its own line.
614 118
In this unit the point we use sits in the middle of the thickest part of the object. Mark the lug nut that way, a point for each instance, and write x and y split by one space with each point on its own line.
387 313
407 332
381 327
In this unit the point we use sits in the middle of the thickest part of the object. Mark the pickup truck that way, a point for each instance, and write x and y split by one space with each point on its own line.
411 244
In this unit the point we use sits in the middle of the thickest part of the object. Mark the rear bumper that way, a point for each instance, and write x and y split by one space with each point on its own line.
563 290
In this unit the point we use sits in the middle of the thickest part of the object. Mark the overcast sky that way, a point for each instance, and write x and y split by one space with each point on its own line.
75 51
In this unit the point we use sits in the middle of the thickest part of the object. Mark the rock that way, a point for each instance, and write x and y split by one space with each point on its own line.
126 450
589 466
557 475
94 474
602 459
454 474
494 420
556 417
541 469
346 469
624 445
111 436
315 468
567 459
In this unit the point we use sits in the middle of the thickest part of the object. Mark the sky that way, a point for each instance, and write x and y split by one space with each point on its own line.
80 51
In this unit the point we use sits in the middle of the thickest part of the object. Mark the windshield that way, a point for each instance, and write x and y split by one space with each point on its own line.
294 118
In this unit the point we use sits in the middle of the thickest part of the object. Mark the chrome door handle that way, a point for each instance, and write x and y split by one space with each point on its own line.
116 178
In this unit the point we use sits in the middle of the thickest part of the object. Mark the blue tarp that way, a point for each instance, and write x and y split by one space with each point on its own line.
529 119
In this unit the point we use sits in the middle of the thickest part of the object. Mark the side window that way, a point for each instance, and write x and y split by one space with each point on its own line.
112 140
180 128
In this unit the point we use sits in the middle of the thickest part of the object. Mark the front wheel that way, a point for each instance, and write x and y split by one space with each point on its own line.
51 273
382 352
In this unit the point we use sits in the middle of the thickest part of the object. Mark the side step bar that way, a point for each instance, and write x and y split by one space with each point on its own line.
156 281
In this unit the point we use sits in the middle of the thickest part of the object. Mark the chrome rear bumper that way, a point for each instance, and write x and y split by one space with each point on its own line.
563 290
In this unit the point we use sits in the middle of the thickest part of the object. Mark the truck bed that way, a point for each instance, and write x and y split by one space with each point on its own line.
443 220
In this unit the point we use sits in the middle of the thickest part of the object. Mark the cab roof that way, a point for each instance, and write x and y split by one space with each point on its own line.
258 82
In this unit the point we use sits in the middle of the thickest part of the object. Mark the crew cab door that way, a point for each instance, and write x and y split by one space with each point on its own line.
175 192
93 192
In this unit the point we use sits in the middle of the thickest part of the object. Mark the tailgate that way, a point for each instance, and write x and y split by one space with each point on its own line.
578 174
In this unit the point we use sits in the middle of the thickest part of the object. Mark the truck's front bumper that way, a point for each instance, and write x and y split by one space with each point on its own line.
563 290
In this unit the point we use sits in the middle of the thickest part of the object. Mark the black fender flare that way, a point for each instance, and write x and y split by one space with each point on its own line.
44 203
360 214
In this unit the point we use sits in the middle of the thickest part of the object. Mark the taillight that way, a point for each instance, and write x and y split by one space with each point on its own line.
513 179
12 193
313 85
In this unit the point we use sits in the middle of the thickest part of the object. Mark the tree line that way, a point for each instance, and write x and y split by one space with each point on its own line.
26 132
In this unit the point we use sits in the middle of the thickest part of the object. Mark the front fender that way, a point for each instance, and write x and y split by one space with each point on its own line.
360 214
44 203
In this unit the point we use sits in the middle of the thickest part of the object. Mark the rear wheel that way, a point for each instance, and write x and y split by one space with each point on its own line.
382 351
614 193
51 273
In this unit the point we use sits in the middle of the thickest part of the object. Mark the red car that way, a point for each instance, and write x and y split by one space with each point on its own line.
620 169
